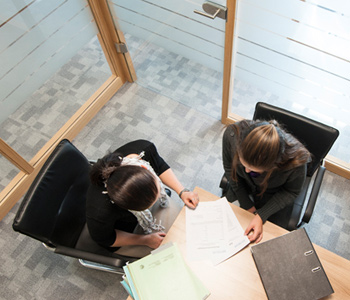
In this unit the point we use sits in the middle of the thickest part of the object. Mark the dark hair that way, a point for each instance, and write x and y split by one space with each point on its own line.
128 186
265 145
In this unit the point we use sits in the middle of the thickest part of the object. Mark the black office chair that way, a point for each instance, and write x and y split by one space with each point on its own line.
53 210
318 139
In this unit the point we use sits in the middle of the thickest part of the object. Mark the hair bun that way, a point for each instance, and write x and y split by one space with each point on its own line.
106 173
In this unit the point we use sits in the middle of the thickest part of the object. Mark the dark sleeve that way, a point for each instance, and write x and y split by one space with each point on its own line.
239 187
151 154
100 220
103 217
287 193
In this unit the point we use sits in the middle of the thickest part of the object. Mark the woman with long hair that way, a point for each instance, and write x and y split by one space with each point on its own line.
266 169
128 209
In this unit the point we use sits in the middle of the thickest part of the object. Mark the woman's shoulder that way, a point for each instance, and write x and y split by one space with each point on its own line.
136 146
95 192
234 129
97 201
289 170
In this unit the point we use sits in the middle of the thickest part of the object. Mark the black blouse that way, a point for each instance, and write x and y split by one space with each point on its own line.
103 216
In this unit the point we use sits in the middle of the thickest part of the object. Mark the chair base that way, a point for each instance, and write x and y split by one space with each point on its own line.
101 267
93 265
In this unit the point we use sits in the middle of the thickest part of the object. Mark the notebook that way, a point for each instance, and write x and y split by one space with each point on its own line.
290 269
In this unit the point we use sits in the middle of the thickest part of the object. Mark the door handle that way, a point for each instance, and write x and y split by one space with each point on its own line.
212 10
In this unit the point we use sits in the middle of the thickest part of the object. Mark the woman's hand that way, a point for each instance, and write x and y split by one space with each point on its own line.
190 199
154 240
254 230
252 209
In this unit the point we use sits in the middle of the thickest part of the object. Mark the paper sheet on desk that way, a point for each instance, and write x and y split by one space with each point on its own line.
213 232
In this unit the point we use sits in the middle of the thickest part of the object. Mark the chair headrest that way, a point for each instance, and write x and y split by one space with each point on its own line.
53 209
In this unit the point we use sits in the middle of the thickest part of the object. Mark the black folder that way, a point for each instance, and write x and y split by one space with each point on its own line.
290 269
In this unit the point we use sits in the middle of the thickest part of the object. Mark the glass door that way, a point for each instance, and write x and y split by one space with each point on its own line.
177 48
59 66
293 54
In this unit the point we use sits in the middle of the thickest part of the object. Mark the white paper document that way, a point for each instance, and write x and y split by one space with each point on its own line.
213 232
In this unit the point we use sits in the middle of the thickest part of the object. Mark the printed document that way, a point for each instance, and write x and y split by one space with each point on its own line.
213 232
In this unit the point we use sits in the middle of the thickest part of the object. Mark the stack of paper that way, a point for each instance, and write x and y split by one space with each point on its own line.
163 274
213 232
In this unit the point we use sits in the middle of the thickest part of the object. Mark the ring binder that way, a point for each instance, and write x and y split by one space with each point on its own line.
308 253
290 269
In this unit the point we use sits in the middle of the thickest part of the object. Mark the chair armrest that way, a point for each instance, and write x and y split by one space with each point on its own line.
294 221
118 262
314 193
224 182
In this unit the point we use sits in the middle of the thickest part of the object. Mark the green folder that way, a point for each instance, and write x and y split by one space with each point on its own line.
126 286
164 274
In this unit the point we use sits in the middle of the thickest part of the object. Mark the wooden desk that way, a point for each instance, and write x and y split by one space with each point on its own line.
237 277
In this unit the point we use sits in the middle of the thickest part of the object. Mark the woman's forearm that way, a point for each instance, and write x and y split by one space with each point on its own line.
190 199
127 239
131 239
169 179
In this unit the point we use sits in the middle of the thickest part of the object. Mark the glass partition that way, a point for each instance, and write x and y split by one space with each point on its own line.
51 63
294 54
175 52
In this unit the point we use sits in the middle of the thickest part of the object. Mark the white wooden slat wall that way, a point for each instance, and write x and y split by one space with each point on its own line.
36 42
174 26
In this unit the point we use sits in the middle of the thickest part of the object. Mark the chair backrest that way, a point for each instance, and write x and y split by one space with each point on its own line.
53 209
317 137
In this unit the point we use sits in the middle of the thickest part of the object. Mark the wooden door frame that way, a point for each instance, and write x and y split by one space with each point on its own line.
122 70
227 91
